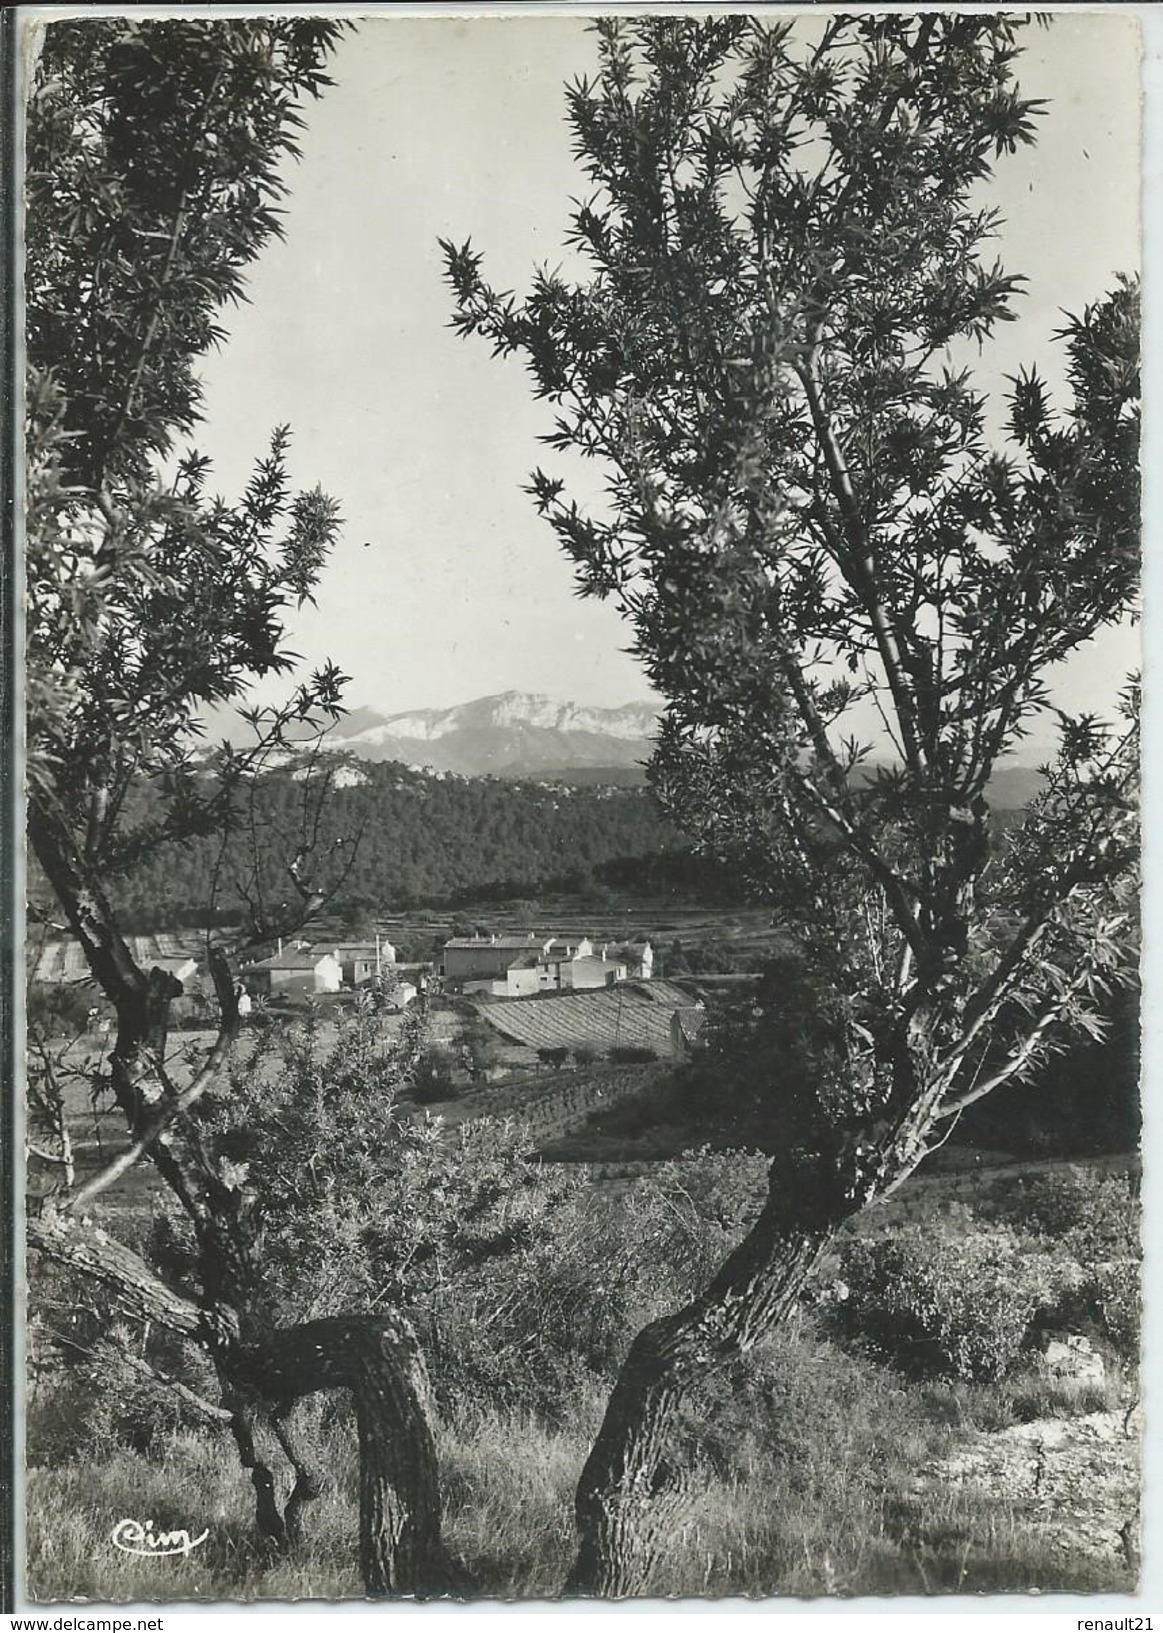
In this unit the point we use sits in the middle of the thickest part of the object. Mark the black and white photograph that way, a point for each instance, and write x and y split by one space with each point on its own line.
580 754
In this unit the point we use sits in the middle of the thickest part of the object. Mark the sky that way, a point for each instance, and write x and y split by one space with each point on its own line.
446 586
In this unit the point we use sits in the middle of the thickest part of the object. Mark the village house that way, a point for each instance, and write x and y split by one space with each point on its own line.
557 964
343 966
479 960
522 966
523 978
362 961
297 968
596 970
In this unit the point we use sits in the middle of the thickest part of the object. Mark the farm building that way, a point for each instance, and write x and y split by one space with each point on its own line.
488 958
519 966
61 962
362 961
298 968
522 979
595 970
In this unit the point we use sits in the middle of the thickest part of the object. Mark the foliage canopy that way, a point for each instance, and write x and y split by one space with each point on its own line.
814 518
153 174
816 523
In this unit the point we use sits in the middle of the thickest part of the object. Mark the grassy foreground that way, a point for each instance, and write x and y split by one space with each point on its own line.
819 1472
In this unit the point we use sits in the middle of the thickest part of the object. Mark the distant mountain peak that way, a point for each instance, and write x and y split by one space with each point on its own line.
523 710
514 734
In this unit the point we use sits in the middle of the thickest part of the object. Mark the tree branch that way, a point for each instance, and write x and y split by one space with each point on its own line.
213 1414
854 562
227 1032
82 1246
1021 1057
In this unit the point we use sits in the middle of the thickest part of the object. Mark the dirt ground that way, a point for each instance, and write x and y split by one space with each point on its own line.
1072 1482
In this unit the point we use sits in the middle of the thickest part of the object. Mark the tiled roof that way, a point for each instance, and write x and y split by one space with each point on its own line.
502 943
604 1018
666 992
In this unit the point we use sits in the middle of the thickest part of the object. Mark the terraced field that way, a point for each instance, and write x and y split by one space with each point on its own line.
626 1016
551 1106
60 960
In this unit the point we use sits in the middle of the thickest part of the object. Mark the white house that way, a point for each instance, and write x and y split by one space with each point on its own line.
595 970
297 968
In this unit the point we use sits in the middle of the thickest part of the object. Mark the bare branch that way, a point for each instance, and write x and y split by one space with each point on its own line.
215 1060
175 1386
84 1247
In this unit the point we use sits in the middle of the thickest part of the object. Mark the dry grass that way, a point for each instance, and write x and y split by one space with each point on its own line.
813 1478
190 1481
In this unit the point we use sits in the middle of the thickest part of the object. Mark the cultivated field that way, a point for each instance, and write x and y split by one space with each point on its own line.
636 1016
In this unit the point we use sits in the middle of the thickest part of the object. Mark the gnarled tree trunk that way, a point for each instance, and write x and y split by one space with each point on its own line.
376 1358
630 1491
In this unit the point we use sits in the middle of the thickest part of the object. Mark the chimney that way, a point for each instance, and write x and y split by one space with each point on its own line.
280 946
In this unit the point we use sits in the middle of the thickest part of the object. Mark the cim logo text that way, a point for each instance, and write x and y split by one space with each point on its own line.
139 1537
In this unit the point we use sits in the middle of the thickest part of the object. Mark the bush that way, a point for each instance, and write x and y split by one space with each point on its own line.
89 1384
940 1305
432 1081
630 1054
1117 1301
1090 1223
1105 1303
532 1330
1096 1216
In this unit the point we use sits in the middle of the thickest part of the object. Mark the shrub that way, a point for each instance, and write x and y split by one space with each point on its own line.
630 1054
533 1329
1117 1295
1105 1302
432 1080
938 1304
1095 1215
91 1382
1090 1222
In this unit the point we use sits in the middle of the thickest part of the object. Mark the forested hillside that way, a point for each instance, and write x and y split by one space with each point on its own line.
421 839
390 838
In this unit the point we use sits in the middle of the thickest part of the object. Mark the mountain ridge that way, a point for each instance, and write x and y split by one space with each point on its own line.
518 734
508 734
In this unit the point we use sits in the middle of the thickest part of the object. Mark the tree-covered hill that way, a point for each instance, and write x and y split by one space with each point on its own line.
421 839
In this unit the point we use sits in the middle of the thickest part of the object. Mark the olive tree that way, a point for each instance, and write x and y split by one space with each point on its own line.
155 164
849 569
